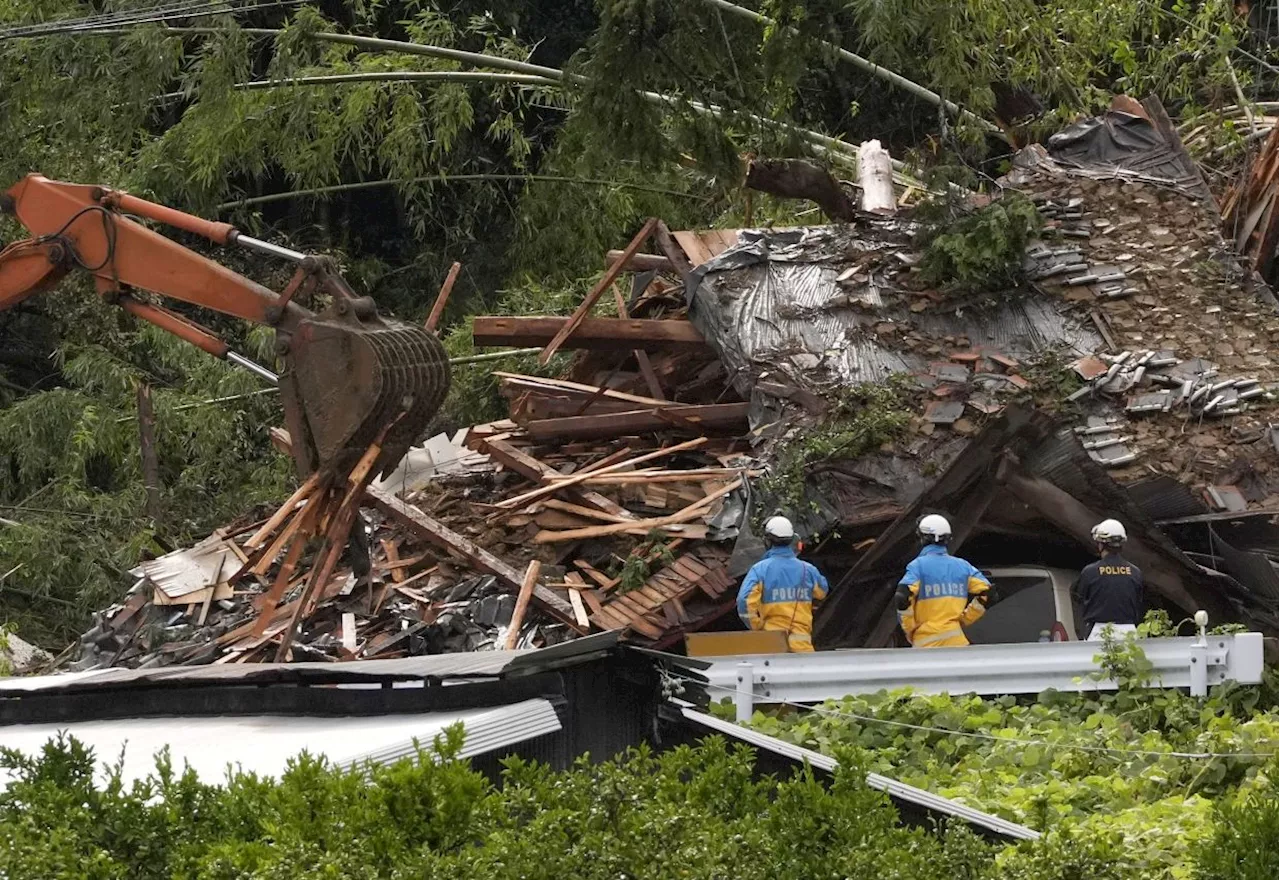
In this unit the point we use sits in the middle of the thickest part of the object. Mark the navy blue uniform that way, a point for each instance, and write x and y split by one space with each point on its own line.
1110 591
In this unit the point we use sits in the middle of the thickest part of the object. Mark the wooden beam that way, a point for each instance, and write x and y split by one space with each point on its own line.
675 255
522 603
522 500
714 418
598 334
585 307
579 609
1073 517
147 442
442 298
412 518
537 472
641 262
693 511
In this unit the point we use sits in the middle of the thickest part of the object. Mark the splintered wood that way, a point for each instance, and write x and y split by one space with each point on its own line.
595 506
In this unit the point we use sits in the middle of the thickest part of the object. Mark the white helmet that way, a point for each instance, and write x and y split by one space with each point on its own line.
934 529
1109 531
779 528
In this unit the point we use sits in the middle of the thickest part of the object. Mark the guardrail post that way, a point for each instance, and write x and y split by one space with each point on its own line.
744 697
1200 658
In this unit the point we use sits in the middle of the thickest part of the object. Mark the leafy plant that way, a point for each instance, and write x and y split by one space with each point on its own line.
861 419
980 251
643 560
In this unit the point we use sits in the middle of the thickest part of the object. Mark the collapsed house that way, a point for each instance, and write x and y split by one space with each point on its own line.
1130 376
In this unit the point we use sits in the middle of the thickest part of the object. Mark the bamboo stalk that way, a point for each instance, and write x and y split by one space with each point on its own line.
872 68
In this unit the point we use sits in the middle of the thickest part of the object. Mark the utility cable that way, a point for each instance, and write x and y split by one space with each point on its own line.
986 736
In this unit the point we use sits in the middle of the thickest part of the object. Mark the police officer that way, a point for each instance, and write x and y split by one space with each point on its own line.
1110 590
779 591
939 593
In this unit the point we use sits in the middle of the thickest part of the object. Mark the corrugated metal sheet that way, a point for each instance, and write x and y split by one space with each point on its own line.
898 791
480 664
263 744
488 730
774 303
1165 498
1254 570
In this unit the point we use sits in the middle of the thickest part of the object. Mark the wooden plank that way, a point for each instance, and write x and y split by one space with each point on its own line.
692 244
442 297
648 628
393 556
593 334
595 574
680 610
640 262
593 600
601 286
336 535
669 612
541 385
482 560
521 500
522 603
691 512
606 620
282 513
653 596
557 504
579 608
718 417
535 471
646 371
663 239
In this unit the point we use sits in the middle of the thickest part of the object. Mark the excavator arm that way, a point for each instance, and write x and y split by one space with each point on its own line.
348 373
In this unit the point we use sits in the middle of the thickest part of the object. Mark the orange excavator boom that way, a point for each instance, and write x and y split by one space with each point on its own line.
348 372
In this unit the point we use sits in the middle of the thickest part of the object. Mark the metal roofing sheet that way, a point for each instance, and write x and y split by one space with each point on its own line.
479 664
898 791
264 744
776 302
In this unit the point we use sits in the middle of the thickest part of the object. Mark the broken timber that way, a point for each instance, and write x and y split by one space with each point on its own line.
603 334
718 418
437 533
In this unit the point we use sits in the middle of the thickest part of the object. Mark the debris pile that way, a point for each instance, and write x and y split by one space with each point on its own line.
620 496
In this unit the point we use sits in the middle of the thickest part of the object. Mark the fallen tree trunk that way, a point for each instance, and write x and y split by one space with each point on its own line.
799 179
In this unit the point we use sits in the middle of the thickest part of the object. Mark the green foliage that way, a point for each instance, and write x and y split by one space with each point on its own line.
1099 772
437 818
70 474
980 251
1243 844
861 419
644 559
1123 661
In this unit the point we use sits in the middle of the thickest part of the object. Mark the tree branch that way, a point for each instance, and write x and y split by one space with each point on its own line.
798 179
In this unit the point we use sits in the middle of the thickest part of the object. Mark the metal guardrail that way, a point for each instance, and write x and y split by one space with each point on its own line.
1025 668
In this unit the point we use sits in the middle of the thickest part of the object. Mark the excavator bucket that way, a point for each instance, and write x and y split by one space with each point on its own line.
349 374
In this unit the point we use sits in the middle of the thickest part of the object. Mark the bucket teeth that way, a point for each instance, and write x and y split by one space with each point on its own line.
352 379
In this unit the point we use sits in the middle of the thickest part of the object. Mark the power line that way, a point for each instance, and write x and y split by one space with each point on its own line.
986 736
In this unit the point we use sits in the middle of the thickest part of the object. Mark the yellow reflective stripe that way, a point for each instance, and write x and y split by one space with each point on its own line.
929 640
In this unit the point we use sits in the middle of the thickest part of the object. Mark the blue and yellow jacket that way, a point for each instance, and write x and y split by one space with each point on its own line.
943 590
779 593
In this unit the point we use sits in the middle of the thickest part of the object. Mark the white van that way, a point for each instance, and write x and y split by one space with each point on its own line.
1028 601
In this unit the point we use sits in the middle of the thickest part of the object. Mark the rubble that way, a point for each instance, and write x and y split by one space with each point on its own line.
620 496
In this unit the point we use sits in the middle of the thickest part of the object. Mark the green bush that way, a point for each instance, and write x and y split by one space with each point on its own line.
1243 844
980 251
690 812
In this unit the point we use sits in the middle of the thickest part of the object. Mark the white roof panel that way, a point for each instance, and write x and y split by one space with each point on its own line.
263 744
